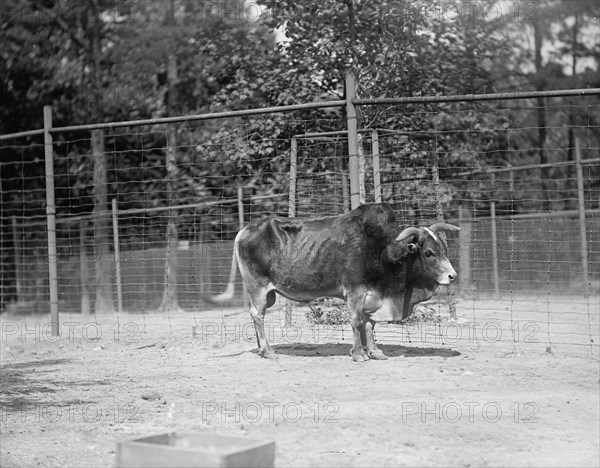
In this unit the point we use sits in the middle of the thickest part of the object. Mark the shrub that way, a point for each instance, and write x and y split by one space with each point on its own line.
328 312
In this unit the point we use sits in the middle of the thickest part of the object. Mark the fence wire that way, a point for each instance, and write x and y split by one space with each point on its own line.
527 201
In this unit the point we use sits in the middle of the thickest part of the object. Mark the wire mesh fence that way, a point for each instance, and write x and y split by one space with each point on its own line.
322 185
114 245
522 221
528 251
146 215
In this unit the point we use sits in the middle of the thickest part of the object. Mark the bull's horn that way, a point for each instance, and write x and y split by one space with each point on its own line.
408 232
443 227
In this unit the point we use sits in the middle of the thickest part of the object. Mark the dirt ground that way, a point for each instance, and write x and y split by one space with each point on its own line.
67 401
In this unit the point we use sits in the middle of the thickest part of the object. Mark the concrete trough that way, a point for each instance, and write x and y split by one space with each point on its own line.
187 450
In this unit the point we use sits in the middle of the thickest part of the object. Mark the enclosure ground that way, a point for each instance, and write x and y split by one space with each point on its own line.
67 403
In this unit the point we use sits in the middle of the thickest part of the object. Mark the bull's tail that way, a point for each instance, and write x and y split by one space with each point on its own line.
227 295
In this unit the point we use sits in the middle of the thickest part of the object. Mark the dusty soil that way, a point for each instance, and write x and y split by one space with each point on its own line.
67 401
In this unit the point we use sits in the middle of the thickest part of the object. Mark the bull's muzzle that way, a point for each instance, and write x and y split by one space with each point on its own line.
448 276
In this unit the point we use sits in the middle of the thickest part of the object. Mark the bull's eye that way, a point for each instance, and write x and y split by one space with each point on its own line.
429 253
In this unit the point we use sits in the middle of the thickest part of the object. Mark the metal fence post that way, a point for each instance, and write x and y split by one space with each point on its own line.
344 177
376 169
117 254
494 248
293 176
582 222
51 222
464 240
240 200
352 140
292 210
18 259
83 270
362 169
494 228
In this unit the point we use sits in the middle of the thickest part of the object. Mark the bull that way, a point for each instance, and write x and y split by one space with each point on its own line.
364 257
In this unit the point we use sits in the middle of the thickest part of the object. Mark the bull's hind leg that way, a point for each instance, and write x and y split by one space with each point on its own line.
372 350
261 301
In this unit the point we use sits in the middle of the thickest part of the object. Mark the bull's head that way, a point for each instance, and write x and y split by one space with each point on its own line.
431 253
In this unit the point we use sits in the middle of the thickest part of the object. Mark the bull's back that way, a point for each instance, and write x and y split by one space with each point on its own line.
301 258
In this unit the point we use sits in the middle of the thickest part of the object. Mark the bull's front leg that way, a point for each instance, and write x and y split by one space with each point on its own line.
373 301
357 352
358 327
372 350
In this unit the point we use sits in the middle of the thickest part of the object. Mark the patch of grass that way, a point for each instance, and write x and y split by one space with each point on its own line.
328 312
423 313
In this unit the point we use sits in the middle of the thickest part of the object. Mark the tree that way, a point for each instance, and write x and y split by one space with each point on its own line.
563 36
99 60
396 49
75 34
169 301
575 25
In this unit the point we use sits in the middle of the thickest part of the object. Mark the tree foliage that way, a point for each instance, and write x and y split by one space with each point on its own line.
107 60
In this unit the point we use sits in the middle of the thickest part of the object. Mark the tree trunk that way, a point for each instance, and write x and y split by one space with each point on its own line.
103 287
541 111
169 302
103 301
570 173
352 32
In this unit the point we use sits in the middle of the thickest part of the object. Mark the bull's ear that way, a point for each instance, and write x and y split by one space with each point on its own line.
397 251
406 243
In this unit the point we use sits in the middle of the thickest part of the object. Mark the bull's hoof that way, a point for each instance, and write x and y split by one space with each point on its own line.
267 354
359 356
377 355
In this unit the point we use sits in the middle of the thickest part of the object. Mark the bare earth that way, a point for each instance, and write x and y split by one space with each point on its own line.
67 403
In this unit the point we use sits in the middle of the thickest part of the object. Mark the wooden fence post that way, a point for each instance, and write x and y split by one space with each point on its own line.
51 222
582 221
352 124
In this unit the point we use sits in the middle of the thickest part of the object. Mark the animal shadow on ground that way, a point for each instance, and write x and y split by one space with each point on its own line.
328 350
